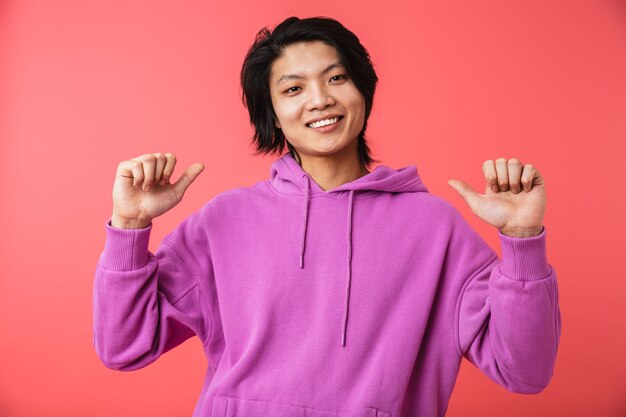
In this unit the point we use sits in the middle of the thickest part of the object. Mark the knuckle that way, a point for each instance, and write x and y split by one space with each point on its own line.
487 163
148 157
514 161
529 166
500 160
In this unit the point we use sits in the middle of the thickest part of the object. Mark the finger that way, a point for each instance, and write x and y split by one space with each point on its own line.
137 168
148 162
503 176
187 178
131 169
489 169
158 169
470 196
515 175
169 167
528 174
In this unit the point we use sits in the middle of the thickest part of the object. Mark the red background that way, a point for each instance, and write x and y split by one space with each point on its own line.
84 85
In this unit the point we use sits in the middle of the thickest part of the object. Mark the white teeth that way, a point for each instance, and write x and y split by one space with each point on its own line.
324 122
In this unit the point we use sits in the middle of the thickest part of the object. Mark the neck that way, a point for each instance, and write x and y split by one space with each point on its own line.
330 172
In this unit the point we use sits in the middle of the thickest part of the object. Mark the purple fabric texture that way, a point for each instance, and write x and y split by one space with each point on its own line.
352 302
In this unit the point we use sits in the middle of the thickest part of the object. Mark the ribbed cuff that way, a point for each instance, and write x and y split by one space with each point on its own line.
125 249
524 258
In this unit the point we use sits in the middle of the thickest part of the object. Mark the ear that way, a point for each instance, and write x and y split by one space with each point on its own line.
276 123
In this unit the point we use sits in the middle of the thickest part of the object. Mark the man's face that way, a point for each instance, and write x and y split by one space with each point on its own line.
309 83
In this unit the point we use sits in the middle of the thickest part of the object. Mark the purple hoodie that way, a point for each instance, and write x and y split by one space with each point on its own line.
359 301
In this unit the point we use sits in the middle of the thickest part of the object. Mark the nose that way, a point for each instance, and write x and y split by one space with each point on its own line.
320 97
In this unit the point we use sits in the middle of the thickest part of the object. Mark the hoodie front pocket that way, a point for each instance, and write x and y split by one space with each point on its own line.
224 406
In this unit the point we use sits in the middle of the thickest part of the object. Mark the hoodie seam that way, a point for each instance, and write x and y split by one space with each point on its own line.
460 297
187 290
414 180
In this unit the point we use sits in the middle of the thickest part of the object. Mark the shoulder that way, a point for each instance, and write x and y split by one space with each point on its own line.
432 206
234 198
462 237
216 211
443 219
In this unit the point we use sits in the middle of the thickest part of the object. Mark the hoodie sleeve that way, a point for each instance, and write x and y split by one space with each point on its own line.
145 304
508 317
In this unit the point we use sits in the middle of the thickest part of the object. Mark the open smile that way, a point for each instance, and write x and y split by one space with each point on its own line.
325 125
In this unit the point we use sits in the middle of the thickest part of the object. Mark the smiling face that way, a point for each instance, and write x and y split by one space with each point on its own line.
308 84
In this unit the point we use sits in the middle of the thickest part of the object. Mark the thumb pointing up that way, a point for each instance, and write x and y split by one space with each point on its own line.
187 178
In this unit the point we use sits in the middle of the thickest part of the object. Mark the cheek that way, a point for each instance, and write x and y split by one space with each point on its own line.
357 102
358 106
288 114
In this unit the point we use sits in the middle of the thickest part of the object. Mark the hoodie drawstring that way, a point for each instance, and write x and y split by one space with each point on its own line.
349 280
349 255
304 217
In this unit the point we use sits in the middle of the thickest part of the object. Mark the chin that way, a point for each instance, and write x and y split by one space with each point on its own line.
318 147
327 151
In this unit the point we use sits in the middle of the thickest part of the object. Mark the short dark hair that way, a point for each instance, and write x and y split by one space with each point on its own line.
269 45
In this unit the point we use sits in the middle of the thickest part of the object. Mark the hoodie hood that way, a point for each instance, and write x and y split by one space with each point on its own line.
288 177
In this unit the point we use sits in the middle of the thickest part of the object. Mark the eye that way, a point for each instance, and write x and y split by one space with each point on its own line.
291 89
339 76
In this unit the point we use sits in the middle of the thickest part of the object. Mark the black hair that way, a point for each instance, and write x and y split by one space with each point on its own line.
269 45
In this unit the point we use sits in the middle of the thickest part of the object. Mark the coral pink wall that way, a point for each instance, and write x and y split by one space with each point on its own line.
84 85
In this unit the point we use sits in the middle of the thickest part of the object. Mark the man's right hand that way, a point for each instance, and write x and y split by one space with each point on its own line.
142 190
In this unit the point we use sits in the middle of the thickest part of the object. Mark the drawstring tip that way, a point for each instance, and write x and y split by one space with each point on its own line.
343 338
301 261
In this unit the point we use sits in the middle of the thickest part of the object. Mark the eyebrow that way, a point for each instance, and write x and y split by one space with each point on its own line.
299 77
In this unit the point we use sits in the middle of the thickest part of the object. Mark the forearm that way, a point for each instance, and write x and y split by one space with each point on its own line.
510 319
144 303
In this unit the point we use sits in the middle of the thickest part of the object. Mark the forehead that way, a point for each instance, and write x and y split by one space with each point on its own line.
304 59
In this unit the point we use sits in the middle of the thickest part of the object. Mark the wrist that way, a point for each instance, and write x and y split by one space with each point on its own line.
125 249
521 231
124 223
